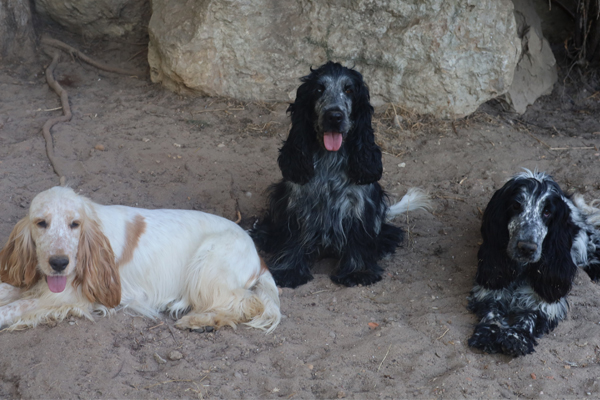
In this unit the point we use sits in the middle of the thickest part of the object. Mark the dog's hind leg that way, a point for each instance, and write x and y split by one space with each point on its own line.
226 285
389 238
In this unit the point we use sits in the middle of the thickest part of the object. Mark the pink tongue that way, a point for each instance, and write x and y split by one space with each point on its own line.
332 141
56 284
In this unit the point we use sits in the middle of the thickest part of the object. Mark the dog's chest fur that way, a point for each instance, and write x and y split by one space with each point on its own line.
327 206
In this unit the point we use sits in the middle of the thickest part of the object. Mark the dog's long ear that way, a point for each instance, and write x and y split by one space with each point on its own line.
18 260
552 277
96 270
296 156
364 156
495 270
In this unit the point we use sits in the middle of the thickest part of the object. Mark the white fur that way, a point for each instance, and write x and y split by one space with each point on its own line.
183 260
414 199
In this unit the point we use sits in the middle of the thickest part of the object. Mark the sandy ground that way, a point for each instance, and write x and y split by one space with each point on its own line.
404 337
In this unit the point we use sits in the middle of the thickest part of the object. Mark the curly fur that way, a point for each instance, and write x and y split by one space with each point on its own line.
329 201
534 239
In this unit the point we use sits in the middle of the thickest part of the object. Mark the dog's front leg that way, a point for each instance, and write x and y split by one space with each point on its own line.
11 312
492 307
9 293
290 267
358 264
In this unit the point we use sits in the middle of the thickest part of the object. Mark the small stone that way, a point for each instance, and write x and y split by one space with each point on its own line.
175 355
159 359
332 334
402 165
99 147
310 366
238 375
221 145
398 121
197 330
341 394
209 328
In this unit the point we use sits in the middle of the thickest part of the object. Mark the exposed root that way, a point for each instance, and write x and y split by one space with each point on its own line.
74 52
64 100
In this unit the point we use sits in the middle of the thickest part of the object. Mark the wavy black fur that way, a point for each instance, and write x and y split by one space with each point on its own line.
534 238
329 202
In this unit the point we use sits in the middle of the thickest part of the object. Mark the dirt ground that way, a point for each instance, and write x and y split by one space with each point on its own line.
131 142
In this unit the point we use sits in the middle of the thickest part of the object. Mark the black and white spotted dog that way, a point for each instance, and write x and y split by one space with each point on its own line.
329 201
534 239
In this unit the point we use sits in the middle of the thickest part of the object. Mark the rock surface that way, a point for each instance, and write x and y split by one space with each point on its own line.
16 30
431 56
98 18
536 72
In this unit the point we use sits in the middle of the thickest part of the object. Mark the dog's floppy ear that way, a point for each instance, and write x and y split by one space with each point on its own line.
296 156
495 270
96 270
18 260
364 156
552 277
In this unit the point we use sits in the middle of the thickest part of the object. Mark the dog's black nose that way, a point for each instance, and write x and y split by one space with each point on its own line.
59 263
334 116
527 248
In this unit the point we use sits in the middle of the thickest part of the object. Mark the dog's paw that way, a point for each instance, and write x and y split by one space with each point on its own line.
485 338
516 343
290 278
357 278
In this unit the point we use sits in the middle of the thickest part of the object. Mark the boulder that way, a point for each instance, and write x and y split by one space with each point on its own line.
536 72
431 56
17 39
98 18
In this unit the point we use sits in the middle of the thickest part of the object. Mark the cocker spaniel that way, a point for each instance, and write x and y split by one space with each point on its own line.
71 256
534 239
329 201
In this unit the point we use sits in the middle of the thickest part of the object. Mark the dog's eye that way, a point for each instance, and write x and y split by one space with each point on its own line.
42 224
74 224
348 90
516 206
546 213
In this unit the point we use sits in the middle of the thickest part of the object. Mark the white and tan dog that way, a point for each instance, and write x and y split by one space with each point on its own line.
71 256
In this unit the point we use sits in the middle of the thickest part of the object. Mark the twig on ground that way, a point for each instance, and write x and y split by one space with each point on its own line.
443 334
386 354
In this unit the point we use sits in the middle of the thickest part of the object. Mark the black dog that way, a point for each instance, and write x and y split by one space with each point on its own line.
329 201
534 239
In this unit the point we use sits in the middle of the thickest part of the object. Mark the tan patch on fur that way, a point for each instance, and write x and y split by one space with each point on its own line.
255 276
133 231
96 269
18 261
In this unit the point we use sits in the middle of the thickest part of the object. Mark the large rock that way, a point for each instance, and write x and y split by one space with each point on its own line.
536 72
432 56
98 18
17 39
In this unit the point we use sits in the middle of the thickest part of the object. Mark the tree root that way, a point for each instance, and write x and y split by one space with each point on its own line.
74 52
64 100
64 97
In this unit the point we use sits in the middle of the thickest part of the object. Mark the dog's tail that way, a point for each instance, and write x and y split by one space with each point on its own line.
414 199
266 293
